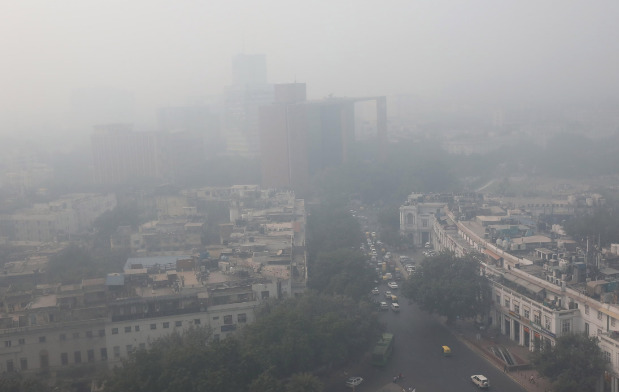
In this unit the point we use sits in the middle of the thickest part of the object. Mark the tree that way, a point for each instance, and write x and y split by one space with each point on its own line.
342 271
450 286
304 382
574 364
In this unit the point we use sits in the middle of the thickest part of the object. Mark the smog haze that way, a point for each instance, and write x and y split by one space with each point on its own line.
143 55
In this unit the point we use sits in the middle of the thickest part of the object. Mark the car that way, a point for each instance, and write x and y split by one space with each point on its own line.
387 293
480 381
392 285
395 307
384 305
375 291
354 382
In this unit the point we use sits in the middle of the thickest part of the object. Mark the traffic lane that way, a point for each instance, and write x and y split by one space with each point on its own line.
417 355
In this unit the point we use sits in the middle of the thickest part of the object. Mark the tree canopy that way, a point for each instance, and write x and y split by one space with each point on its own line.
449 286
277 353
574 364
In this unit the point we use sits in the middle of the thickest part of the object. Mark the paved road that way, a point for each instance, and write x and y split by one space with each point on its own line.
417 355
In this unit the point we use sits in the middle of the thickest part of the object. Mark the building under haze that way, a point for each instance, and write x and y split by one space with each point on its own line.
242 100
299 138
121 154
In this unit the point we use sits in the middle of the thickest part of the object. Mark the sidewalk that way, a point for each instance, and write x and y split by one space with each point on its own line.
520 372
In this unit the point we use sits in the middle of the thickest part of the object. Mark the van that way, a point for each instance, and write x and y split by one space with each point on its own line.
395 307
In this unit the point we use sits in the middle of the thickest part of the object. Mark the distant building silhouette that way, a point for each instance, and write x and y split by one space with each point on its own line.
121 154
299 138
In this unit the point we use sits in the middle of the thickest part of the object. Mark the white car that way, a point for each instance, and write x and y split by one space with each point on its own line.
375 291
480 381
384 306
354 382
392 285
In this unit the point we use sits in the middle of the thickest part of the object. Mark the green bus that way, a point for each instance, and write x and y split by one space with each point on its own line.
382 350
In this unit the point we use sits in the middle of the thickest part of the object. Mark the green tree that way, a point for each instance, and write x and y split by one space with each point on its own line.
449 286
304 382
342 271
303 334
331 227
574 364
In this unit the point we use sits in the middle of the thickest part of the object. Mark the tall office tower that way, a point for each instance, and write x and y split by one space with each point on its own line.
301 138
242 101
191 137
121 155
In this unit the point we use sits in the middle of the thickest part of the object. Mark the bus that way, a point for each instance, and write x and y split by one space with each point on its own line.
382 350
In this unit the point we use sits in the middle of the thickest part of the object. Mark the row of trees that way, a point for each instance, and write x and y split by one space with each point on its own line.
279 352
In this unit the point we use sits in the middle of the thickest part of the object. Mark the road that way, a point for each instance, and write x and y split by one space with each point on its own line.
417 355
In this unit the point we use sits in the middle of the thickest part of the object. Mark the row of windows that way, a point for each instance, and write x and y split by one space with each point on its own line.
241 318
600 315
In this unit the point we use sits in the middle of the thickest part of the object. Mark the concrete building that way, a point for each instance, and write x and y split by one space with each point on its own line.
121 155
64 329
538 294
56 220
300 138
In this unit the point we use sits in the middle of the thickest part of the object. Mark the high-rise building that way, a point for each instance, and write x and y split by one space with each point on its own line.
299 138
242 100
121 154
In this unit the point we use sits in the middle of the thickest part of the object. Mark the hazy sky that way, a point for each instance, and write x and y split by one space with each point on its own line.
170 52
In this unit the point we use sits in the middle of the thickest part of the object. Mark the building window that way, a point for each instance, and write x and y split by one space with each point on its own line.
91 355
547 322
42 339
166 325
116 352
127 329
89 334
178 323
21 341
228 319
76 335
516 308
241 318
537 317
599 315
566 326
114 331
527 313
9 365
129 348
196 321
607 356
264 294
137 328
612 321
77 356
62 337
215 317
64 359
424 222
498 299
23 364
586 309
103 352
7 343
507 303
153 326
101 332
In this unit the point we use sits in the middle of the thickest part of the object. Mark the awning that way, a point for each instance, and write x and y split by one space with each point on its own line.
531 287
492 254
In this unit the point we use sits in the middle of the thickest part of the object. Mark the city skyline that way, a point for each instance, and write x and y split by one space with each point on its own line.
156 54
